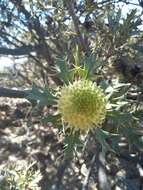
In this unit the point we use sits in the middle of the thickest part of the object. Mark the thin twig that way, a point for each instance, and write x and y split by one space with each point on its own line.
75 19
6 92
86 180
104 183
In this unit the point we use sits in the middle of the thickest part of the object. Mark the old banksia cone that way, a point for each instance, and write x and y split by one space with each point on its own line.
82 105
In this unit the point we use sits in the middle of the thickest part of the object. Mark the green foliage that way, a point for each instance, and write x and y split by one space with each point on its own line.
114 20
19 177
78 40
119 116
134 137
42 96
71 142
118 38
54 119
63 71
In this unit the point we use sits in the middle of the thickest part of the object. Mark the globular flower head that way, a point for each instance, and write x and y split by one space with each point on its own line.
82 105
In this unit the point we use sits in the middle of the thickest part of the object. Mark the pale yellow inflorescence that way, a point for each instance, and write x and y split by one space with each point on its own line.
82 105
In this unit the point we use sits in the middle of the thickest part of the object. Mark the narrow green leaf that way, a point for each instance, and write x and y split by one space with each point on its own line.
43 97
54 119
102 137
71 142
63 71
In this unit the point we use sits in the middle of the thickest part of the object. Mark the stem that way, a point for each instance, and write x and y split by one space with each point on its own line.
75 19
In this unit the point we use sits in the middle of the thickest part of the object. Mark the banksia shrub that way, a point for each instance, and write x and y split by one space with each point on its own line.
82 105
